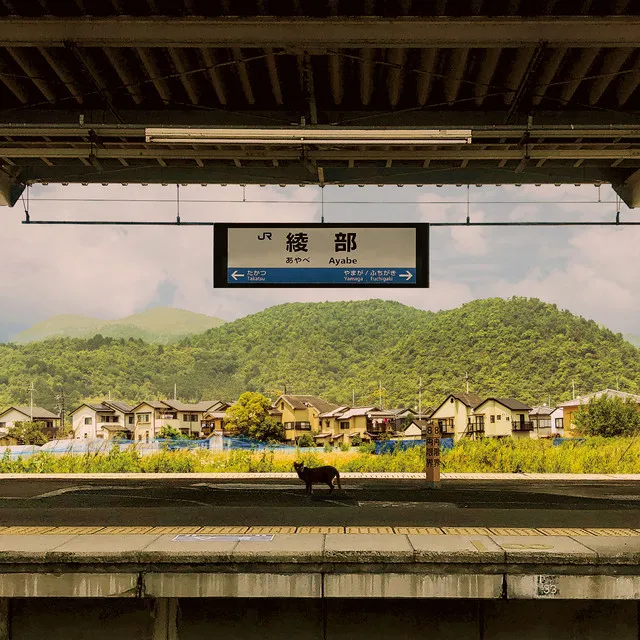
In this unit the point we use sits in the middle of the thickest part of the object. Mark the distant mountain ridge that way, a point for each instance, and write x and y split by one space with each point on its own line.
365 353
162 325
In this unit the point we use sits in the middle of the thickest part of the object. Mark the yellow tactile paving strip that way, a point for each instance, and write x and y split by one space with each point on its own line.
240 530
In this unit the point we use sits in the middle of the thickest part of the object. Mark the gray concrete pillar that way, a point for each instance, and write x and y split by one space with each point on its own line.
165 619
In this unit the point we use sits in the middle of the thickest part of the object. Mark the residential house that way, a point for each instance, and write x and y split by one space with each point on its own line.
301 414
453 416
214 417
391 421
571 407
15 415
501 417
152 415
329 426
416 430
102 420
351 423
557 422
542 421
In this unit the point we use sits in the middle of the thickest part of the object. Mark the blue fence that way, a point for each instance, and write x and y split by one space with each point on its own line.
559 441
389 446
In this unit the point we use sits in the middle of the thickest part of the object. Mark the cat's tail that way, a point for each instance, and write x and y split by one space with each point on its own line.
338 479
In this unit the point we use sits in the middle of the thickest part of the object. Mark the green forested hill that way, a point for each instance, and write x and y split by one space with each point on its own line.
518 347
161 324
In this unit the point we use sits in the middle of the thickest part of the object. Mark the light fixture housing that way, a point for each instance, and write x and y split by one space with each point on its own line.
307 135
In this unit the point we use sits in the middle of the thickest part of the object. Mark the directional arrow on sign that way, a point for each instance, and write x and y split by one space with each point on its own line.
407 276
236 274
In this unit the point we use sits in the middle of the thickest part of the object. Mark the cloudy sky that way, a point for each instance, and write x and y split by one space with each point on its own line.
113 271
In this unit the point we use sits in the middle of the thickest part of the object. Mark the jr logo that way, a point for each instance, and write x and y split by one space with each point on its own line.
266 235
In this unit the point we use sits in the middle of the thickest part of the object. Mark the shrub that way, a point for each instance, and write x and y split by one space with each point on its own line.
306 440
345 446
368 447
327 447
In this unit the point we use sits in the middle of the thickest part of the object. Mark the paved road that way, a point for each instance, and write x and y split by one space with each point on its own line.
283 502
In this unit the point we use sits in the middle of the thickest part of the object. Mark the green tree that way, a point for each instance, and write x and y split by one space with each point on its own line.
269 430
28 433
248 415
171 433
306 440
608 416
356 441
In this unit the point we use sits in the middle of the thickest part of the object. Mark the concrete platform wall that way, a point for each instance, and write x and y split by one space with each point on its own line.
371 619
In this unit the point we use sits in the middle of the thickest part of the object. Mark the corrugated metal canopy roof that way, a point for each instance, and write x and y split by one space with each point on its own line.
549 88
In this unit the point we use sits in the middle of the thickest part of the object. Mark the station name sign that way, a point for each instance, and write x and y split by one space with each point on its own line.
321 255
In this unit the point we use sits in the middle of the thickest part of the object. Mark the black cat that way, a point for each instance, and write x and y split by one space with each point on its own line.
324 475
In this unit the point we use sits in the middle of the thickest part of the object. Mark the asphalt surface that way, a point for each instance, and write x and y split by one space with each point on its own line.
262 502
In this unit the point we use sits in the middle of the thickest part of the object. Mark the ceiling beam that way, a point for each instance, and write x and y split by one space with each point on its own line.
546 76
335 76
122 68
11 150
424 81
63 72
244 76
208 57
8 77
613 60
395 76
127 31
26 64
577 72
628 83
487 69
366 76
181 65
455 75
309 87
272 68
608 133
153 71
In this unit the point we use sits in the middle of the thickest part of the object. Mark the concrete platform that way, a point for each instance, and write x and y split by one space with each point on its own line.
320 566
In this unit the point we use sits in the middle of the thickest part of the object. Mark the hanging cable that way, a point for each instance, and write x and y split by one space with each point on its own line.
177 204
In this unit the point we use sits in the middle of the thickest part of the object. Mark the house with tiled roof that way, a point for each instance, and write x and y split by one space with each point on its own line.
541 417
454 413
301 414
571 407
13 416
151 416
502 417
102 419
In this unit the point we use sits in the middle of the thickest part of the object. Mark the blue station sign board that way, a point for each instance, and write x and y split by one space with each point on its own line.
321 255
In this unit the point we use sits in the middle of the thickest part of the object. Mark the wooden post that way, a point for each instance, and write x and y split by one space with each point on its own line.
432 454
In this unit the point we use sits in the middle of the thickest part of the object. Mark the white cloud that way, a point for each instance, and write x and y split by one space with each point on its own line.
110 271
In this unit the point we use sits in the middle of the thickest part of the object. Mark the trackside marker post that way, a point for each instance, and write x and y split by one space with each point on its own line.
432 454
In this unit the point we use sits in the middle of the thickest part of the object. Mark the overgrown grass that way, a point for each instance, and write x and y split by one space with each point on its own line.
595 455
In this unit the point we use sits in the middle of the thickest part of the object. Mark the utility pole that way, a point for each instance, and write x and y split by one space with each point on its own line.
573 389
60 407
31 390
175 391
353 397
380 393
466 377
420 399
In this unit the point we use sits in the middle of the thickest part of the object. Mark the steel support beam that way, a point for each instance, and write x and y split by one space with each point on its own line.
629 190
298 174
375 32
10 190
40 150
